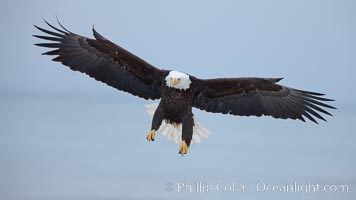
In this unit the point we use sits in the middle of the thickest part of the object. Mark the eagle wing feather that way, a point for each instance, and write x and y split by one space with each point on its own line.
103 60
257 97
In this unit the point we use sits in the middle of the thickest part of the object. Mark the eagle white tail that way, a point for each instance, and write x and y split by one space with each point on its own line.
174 132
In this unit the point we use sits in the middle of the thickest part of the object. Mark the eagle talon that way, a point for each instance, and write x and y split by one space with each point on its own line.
151 135
183 148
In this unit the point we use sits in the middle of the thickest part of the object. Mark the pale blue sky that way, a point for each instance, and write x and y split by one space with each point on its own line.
66 136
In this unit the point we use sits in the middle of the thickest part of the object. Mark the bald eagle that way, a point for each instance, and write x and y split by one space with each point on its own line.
179 92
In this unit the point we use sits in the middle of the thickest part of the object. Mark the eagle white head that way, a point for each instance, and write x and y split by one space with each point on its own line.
178 80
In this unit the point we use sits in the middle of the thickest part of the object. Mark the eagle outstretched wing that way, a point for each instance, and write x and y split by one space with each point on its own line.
257 97
105 61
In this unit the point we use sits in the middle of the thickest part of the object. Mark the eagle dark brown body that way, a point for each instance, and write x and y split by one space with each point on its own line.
175 107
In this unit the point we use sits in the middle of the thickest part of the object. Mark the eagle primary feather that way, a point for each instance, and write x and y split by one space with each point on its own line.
257 97
111 64
104 61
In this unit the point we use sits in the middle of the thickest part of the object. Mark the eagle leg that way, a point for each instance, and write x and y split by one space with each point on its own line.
187 133
151 135
183 148
156 123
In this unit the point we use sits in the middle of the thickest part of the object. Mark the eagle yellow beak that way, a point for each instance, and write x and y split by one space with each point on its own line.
174 81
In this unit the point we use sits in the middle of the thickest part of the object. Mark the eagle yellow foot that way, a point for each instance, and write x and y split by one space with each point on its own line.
183 149
151 135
